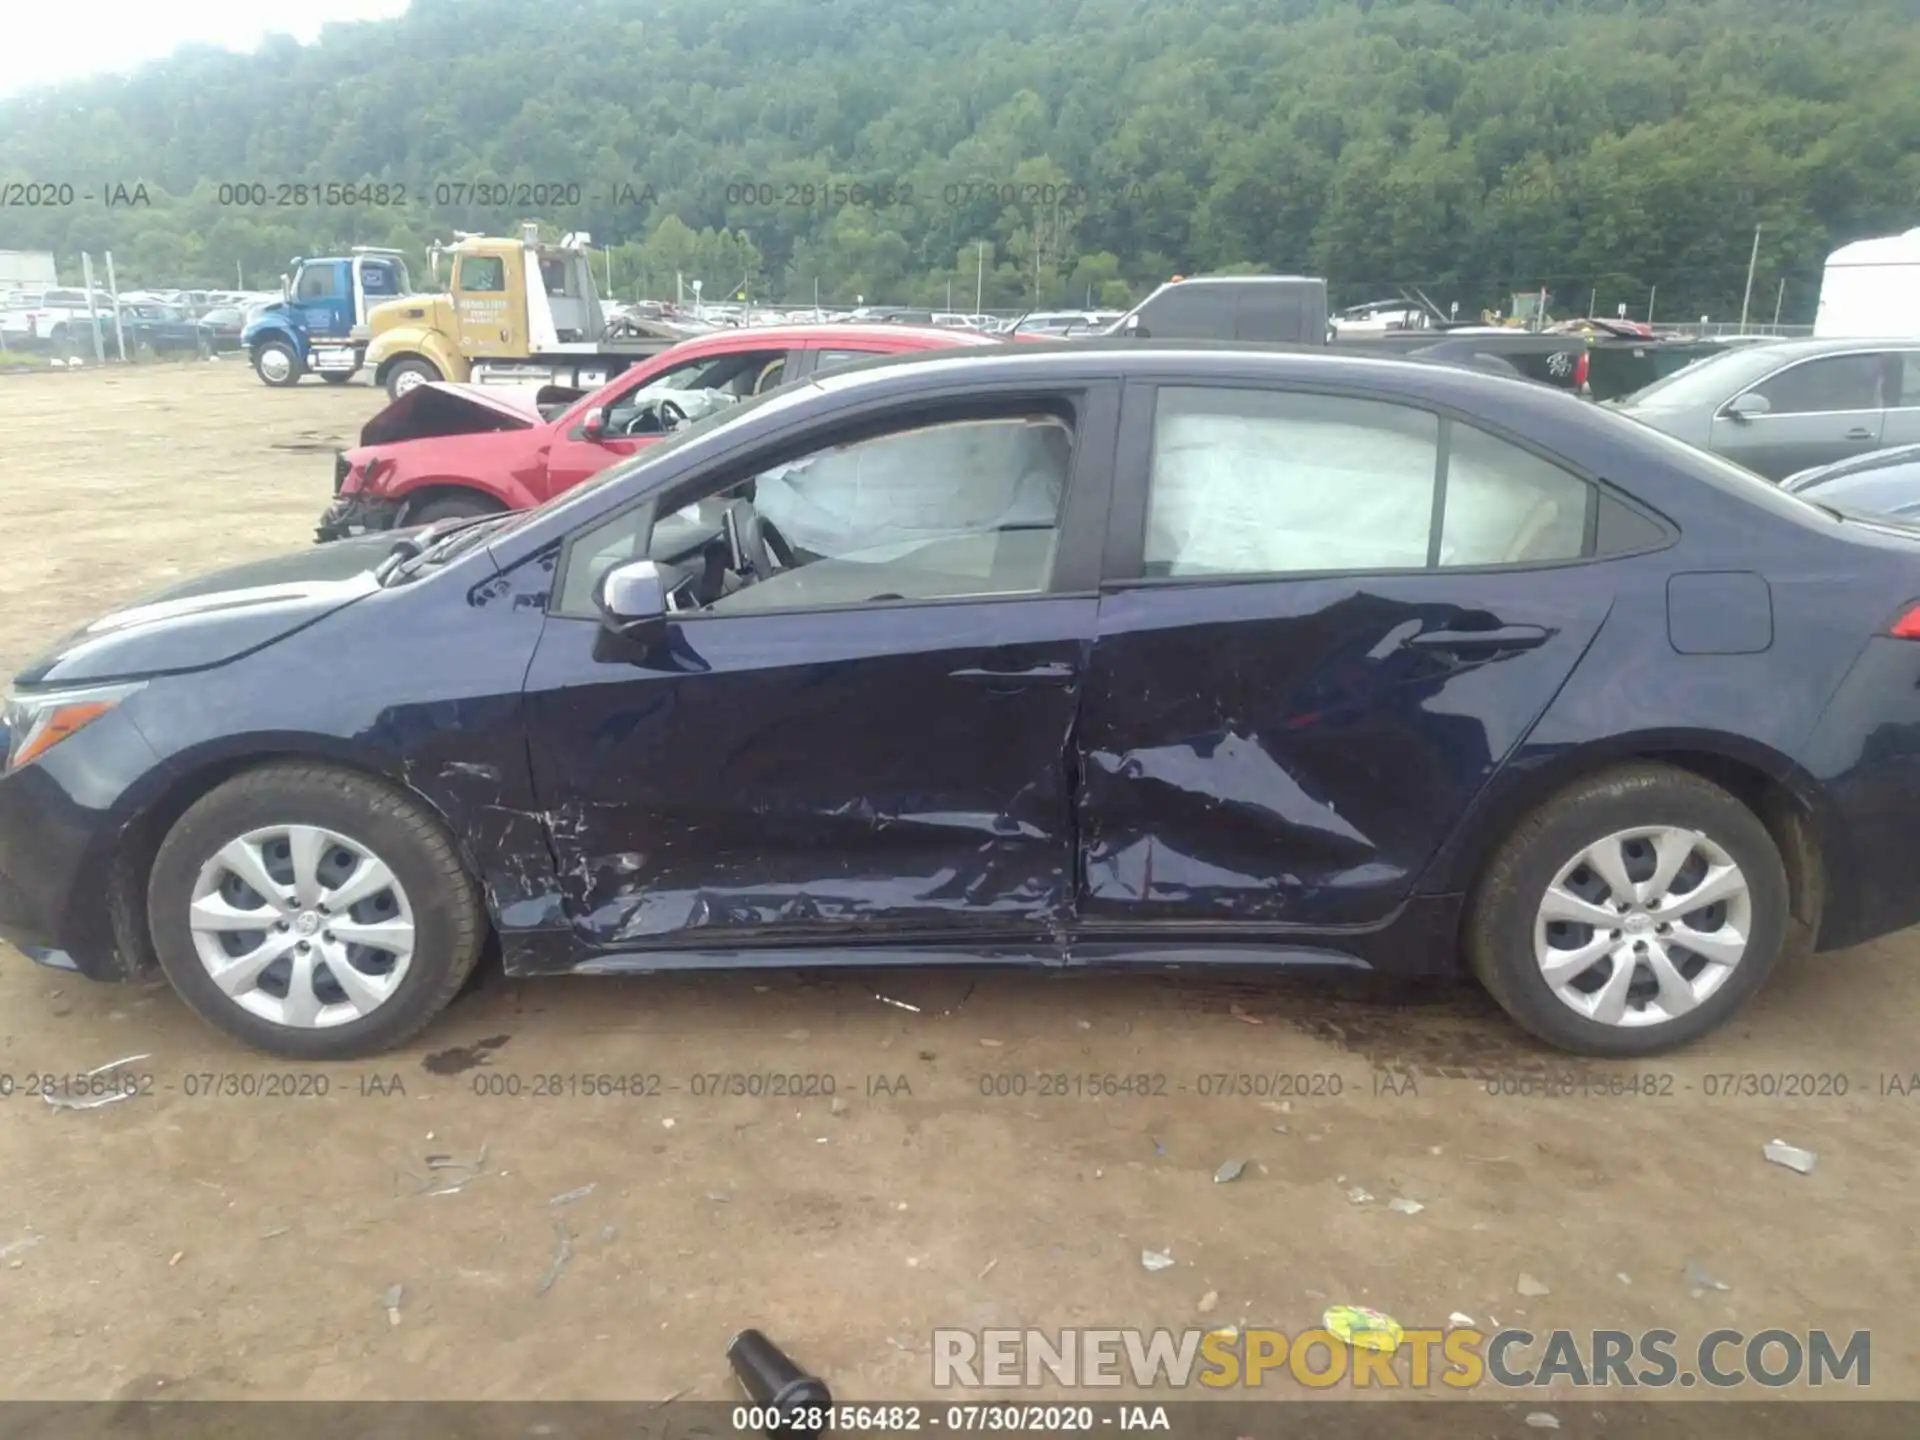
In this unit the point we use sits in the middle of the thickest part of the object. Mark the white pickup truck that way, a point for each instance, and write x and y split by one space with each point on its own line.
52 316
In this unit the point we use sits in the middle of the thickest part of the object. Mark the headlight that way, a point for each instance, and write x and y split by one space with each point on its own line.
33 724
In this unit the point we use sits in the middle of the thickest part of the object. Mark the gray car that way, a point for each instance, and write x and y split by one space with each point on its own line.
1780 408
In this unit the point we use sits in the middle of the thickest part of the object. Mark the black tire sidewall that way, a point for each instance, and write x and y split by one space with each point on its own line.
451 507
1502 946
307 797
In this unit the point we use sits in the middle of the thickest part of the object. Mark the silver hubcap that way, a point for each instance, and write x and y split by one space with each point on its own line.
302 926
275 365
1643 926
407 380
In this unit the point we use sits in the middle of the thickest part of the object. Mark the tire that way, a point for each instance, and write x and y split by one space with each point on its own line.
452 507
1505 921
336 377
429 889
403 375
277 363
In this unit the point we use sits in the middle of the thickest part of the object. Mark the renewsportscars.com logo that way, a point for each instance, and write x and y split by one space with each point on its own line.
1458 1358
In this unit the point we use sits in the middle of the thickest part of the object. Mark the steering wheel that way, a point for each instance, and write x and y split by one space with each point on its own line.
759 549
672 417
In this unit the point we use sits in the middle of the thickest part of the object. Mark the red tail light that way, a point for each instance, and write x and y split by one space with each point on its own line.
1580 371
1907 626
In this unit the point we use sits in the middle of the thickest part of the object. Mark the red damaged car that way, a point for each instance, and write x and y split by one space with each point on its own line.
442 451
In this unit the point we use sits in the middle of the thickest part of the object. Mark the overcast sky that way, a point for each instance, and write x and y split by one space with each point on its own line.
45 44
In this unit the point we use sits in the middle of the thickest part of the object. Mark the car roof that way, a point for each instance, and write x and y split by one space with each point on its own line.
1797 349
1045 359
832 336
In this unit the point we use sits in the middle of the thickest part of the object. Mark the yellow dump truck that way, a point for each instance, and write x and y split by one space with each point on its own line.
518 312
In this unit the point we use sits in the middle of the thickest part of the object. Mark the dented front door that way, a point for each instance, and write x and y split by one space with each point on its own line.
833 777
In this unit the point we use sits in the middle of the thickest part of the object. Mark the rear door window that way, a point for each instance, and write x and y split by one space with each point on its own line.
1258 482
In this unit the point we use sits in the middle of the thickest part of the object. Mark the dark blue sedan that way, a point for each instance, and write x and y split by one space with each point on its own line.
1122 653
1884 482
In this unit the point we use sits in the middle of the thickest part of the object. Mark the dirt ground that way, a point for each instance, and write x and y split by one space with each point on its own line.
208 1238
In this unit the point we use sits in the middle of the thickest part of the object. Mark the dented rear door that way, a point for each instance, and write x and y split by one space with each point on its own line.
1290 750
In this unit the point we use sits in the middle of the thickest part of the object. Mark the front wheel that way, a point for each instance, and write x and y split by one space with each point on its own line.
409 374
313 912
1631 913
277 363
452 507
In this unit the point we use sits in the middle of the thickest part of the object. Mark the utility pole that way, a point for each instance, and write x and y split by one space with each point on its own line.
1778 301
239 278
1652 295
979 275
1593 298
119 330
1752 260
93 314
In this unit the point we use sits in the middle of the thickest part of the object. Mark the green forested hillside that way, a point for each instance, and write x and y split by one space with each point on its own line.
1471 146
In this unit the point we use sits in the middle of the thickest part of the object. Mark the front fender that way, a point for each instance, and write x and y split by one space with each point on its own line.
419 340
272 327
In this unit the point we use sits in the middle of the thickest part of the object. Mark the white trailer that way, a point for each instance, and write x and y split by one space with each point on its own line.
1871 290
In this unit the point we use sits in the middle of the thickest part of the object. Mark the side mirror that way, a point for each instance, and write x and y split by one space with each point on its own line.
632 597
286 286
593 424
1130 327
1745 407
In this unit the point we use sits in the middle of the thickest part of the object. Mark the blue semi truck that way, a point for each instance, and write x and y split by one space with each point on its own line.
319 324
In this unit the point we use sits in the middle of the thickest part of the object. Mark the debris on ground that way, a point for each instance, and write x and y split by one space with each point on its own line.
1208 1301
562 1253
839 1105
801 1034
7 1252
1360 1195
178 1256
1405 1207
447 1175
773 1381
1158 1148
897 1004
720 1197
1229 1172
1364 1328
1791 1156
1701 1281
1460 1317
993 1044
277 1232
1623 1277
391 1300
94 1102
1239 1013
1541 1420
1529 1286
1156 1260
608 1233
570 1196
989 1268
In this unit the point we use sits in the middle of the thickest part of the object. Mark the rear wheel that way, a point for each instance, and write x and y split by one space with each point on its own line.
1631 913
313 912
277 363
409 374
